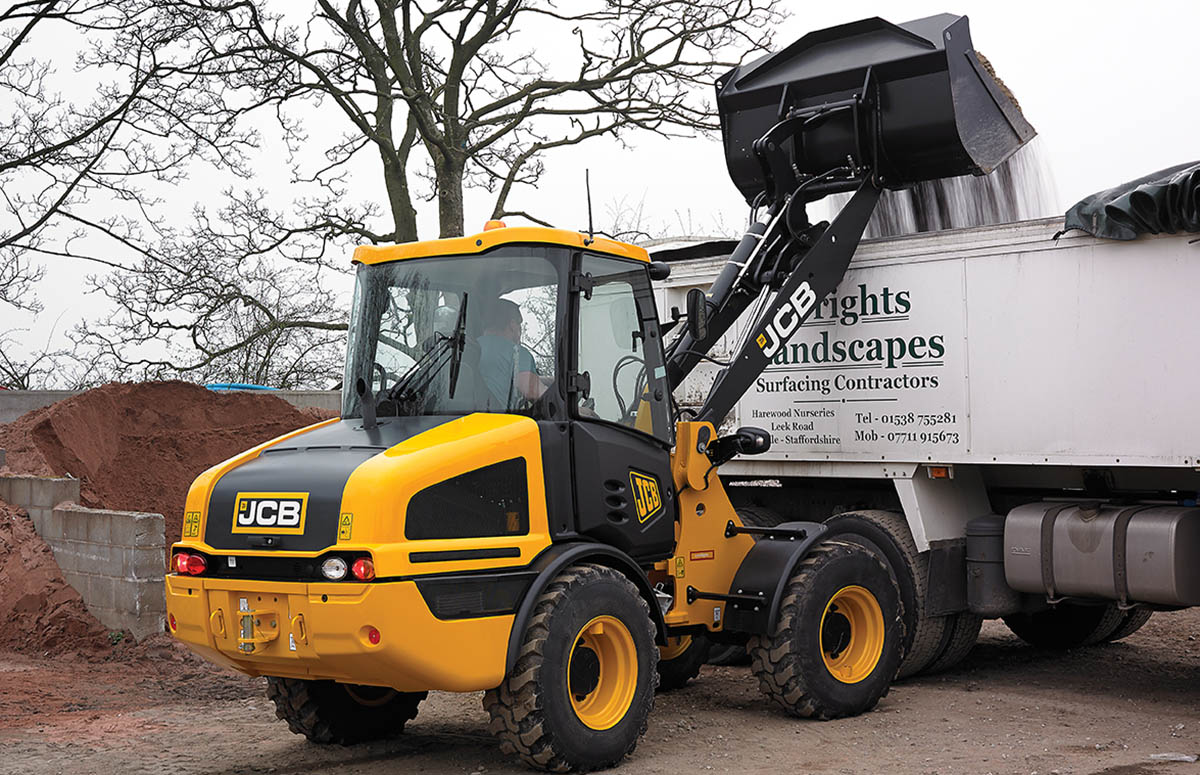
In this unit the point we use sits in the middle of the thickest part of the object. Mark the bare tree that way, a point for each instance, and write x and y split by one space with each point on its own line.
466 82
439 98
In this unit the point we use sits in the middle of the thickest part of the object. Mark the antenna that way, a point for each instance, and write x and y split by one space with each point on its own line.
587 184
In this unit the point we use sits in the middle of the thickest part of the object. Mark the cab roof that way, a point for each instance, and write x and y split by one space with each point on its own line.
494 237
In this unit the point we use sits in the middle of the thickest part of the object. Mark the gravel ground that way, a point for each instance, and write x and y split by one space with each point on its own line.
1007 709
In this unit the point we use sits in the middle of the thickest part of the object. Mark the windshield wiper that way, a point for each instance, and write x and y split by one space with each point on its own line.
458 344
424 369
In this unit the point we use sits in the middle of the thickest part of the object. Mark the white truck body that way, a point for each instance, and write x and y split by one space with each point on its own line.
1015 358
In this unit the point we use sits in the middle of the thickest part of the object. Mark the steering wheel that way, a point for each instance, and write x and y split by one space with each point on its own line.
622 362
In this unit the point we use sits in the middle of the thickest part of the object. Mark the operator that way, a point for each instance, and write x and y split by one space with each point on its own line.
507 368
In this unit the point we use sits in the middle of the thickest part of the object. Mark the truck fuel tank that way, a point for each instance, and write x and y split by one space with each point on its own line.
1144 554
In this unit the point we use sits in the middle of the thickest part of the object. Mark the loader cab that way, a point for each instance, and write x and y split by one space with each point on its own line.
529 322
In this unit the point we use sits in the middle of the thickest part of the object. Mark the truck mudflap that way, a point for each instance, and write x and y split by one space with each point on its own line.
381 634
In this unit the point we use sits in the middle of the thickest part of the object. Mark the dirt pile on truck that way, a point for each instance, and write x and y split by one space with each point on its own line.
137 447
39 611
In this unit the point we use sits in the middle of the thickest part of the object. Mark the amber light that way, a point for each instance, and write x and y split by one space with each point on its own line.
940 472
363 569
493 225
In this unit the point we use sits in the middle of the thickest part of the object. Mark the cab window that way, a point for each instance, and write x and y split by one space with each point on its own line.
619 349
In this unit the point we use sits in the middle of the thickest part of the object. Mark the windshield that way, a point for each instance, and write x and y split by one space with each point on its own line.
456 334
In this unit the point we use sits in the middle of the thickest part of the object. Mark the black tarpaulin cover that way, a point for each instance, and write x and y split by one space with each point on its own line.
1164 201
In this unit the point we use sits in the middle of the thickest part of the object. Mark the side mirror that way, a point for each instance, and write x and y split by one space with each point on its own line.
697 314
746 440
659 270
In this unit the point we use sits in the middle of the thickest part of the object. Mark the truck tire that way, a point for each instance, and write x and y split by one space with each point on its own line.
330 712
735 653
961 634
1067 625
1132 622
887 534
838 642
583 684
680 661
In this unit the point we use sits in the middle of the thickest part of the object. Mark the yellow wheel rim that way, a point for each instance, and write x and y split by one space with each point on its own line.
852 634
675 647
602 672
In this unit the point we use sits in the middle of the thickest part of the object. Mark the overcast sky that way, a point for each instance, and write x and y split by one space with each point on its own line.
1111 88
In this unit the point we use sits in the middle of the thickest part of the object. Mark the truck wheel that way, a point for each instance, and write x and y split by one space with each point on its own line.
1132 622
887 534
838 642
733 653
1067 625
582 688
962 633
680 660
330 712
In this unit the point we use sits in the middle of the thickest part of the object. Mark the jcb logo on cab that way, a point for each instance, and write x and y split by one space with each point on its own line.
787 320
646 497
270 512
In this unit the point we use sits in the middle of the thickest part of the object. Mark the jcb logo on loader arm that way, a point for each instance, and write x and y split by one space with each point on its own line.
646 496
270 512
787 320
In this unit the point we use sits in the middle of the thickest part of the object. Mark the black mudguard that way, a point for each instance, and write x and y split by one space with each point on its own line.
764 573
552 561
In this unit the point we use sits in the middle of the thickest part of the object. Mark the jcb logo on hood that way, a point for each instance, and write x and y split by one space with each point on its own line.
787 320
270 512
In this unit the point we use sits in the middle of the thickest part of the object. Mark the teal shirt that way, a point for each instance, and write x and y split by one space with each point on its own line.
496 366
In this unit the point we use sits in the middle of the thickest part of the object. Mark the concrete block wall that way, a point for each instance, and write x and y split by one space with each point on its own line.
114 559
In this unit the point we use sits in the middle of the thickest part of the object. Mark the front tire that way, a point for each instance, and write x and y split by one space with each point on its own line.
839 639
330 712
582 688
886 533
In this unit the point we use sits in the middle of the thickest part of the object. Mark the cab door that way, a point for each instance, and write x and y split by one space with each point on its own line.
621 429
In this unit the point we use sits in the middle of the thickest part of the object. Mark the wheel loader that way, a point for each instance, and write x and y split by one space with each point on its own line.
511 502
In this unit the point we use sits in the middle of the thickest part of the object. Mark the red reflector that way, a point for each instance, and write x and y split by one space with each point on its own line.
171 621
196 564
363 569
373 634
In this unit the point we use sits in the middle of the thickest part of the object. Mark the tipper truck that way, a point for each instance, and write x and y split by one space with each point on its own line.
513 502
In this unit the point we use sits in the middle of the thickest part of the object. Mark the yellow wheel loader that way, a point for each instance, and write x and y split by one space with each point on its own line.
511 502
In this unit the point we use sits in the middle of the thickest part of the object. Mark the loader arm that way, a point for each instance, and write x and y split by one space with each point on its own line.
860 107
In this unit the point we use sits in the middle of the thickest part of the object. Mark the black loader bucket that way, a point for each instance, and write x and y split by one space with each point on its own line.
903 103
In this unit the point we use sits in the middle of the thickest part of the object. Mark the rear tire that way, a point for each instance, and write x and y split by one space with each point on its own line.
1067 625
1132 622
582 688
680 661
838 642
962 633
330 712
887 534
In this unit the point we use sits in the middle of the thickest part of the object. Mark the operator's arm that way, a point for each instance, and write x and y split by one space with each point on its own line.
528 381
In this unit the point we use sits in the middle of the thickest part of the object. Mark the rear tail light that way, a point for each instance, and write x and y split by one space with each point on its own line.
363 569
189 564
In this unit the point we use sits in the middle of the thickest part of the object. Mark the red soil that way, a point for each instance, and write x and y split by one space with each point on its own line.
39 612
137 447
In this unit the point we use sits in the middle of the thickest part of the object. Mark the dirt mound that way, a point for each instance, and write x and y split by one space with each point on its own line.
39 612
138 447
